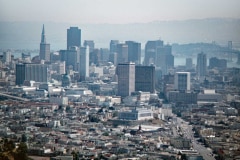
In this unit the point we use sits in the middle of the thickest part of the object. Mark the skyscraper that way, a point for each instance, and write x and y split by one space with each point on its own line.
145 78
126 78
30 71
7 57
218 63
150 51
182 81
134 51
44 47
73 37
201 64
71 57
189 63
122 53
164 58
113 46
84 62
90 44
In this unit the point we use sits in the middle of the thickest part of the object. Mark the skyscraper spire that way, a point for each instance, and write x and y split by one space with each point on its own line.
44 53
43 38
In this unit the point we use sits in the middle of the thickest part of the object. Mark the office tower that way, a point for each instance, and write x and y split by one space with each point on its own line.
44 47
134 52
90 44
71 57
30 71
84 63
201 64
20 73
122 53
7 57
126 78
182 81
95 56
59 67
189 63
113 46
145 78
73 37
164 58
150 51
214 62
54 57
104 54
113 58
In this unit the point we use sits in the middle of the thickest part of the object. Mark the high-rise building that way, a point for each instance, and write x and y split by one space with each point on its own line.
30 71
84 63
189 63
134 52
126 78
122 53
201 64
150 51
182 81
218 63
7 57
145 78
44 47
73 37
104 54
113 58
95 56
71 57
113 46
59 67
164 58
90 44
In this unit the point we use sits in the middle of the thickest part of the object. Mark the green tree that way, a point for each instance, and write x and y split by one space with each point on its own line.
21 152
24 138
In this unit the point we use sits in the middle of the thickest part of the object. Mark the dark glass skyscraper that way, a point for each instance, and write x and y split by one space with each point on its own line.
201 65
44 47
73 37
145 78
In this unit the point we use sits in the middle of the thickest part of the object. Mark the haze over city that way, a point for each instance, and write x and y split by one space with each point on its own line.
201 21
111 79
117 11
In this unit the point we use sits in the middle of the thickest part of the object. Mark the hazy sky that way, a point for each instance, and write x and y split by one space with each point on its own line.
115 11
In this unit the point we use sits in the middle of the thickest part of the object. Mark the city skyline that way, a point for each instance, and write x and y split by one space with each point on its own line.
117 12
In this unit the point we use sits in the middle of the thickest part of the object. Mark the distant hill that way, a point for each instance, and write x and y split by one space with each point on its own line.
26 35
